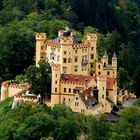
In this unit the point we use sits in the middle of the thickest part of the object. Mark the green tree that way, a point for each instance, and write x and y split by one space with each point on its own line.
40 79
136 82
123 78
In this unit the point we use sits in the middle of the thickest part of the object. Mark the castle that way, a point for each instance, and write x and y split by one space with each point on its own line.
79 79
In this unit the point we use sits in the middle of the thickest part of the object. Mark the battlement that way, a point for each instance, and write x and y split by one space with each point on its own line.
5 84
52 44
92 37
66 40
101 78
72 33
56 66
40 36
20 96
82 45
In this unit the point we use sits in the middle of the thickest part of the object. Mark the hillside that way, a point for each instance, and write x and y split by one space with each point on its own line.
31 121
116 23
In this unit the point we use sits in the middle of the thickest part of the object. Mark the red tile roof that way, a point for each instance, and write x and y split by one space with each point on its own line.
76 79
110 83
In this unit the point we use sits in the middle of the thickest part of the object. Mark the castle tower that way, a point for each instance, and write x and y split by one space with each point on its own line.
105 59
55 91
114 65
92 38
66 52
101 85
4 91
40 44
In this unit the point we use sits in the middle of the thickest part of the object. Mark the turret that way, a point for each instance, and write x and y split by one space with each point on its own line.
40 39
92 37
4 91
114 65
105 59
101 85
55 91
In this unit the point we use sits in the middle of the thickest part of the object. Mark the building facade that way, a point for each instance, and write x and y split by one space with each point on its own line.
79 80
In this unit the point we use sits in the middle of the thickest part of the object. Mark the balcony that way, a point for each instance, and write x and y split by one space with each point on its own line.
84 62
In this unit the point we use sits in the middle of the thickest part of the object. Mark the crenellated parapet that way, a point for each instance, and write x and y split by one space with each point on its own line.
85 44
10 89
91 37
40 36
52 44
66 41
56 66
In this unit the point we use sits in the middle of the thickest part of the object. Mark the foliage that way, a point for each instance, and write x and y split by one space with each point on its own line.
123 78
40 79
34 121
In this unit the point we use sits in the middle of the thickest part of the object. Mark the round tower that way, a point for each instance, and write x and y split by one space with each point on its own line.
55 91
4 91
105 59
114 65
40 44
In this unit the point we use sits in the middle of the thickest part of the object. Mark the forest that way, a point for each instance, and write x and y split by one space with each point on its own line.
116 23
60 123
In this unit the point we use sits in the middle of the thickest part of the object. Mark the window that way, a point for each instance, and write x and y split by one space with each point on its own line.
76 59
69 99
55 89
85 50
69 60
75 68
58 50
55 82
76 103
42 47
75 51
64 89
82 50
58 57
107 93
82 110
64 60
84 67
91 65
55 75
43 55
99 66
103 88
52 56
102 96
64 69
108 73
92 56
76 98
69 90
92 48
99 72
65 52
104 64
